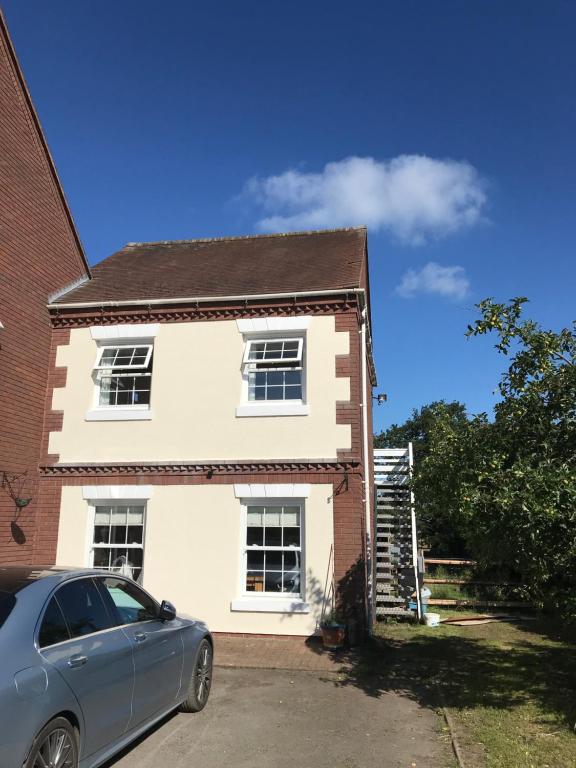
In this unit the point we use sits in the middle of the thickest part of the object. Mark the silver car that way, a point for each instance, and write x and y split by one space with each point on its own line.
88 662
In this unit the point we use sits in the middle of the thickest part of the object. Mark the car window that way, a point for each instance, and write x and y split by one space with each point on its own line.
53 628
83 607
7 603
132 604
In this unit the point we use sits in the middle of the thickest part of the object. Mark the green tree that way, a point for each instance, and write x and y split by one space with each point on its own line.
434 430
517 496
507 485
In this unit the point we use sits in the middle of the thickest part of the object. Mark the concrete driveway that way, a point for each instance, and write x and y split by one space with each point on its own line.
262 718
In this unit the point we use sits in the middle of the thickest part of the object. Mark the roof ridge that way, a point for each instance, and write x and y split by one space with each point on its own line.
247 237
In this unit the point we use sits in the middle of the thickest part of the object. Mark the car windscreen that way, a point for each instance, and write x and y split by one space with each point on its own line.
7 603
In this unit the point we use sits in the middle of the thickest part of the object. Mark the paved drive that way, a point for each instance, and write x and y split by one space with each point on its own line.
259 718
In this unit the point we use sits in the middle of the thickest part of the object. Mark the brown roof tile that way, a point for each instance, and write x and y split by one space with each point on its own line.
232 266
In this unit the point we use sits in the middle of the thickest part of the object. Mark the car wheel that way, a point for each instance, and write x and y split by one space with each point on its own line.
54 747
201 680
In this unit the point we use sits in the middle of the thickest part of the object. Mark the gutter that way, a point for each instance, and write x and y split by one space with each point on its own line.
198 299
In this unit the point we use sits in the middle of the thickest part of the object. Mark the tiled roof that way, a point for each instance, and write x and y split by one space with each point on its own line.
231 266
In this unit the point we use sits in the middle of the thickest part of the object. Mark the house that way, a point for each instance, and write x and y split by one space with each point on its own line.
209 426
40 254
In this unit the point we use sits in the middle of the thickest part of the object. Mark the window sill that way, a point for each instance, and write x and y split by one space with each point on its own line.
273 409
270 605
121 414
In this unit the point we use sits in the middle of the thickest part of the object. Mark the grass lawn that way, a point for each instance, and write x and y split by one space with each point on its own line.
510 688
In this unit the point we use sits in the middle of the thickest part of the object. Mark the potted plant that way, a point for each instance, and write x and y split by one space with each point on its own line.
333 631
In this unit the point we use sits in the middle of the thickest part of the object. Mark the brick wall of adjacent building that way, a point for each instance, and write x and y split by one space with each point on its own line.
39 254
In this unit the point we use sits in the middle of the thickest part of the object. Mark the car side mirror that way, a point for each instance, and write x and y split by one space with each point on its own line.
167 611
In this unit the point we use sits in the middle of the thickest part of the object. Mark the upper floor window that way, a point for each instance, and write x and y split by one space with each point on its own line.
124 375
274 369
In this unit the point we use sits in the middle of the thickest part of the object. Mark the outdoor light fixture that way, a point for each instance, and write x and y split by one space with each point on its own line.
380 398
8 478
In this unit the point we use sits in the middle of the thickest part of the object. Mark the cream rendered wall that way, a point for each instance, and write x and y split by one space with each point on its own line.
192 554
196 387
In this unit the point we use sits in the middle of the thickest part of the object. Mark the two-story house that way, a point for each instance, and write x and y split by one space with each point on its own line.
40 254
211 426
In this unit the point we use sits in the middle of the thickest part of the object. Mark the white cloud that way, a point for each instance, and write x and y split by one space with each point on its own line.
450 282
414 197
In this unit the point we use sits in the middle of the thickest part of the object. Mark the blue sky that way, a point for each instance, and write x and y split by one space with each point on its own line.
182 120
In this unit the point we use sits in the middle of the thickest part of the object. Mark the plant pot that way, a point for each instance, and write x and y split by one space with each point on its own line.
333 635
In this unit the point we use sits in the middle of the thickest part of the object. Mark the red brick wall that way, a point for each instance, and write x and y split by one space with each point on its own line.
39 254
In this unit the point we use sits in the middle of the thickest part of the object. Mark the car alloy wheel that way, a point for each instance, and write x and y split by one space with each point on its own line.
56 751
204 673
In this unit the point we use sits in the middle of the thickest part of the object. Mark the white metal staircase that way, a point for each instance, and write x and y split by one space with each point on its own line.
396 540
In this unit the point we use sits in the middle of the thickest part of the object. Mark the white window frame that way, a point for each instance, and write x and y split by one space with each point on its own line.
101 349
135 412
274 363
91 546
271 602
297 407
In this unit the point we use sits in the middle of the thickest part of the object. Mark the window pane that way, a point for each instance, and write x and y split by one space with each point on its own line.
272 516
273 581
275 393
101 534
254 536
118 515
291 349
118 534
254 515
108 357
83 608
101 558
102 516
254 581
255 561
291 560
291 516
53 629
275 377
135 515
291 581
293 393
135 533
273 537
133 605
256 351
273 561
291 537
293 377
123 398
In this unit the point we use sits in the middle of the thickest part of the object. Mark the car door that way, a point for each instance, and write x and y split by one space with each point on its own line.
158 648
96 660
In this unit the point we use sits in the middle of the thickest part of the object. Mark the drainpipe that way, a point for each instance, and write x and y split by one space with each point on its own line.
367 469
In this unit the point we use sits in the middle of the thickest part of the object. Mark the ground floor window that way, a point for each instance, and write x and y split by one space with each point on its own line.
273 548
118 538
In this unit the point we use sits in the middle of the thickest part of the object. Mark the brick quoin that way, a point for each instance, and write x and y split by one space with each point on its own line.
39 254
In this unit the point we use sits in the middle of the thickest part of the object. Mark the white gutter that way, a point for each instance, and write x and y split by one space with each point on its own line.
367 468
198 299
